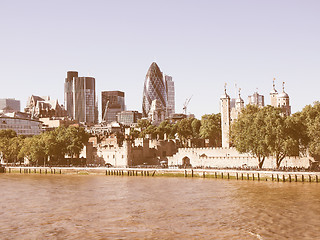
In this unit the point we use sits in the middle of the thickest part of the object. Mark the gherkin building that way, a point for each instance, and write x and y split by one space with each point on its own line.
154 88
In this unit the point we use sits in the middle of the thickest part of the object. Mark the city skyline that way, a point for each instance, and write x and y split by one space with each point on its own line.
201 45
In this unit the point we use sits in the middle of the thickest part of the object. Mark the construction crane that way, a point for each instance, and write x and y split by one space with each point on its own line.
185 105
105 112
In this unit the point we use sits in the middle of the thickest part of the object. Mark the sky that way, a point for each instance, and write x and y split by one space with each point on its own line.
201 44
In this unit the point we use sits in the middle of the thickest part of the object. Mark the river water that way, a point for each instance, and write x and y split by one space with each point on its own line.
114 207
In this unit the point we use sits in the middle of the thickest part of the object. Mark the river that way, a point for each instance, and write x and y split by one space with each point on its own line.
114 207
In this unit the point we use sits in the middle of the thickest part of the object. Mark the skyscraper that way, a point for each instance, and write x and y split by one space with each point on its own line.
170 95
10 104
154 88
112 103
80 98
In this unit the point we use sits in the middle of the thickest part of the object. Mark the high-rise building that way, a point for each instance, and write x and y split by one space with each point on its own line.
154 88
170 95
10 104
112 103
80 97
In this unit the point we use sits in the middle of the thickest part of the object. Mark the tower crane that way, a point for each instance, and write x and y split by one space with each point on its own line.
185 105
105 112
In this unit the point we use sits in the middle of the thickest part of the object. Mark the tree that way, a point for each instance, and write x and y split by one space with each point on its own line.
152 131
196 125
281 134
5 137
310 120
76 138
15 145
211 128
186 129
143 124
266 132
166 128
248 133
34 149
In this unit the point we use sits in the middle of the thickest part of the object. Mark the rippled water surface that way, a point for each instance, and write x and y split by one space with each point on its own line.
114 207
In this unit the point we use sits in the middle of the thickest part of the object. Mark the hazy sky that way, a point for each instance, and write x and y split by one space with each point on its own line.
201 44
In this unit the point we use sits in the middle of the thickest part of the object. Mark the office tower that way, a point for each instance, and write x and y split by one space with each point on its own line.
10 104
170 95
154 88
256 99
80 98
112 103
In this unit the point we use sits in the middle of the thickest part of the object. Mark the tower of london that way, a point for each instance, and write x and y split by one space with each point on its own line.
231 108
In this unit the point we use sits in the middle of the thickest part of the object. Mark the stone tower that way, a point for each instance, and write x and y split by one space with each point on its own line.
273 95
239 103
225 118
283 102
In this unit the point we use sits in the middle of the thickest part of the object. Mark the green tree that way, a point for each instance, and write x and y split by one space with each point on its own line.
310 118
5 137
196 125
143 124
211 128
166 128
34 149
76 138
15 145
248 134
186 129
266 132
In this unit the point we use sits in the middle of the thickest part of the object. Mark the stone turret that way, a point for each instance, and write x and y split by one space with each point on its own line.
283 102
273 95
225 118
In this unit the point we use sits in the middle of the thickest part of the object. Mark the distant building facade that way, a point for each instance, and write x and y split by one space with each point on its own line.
20 124
256 99
127 118
112 102
80 98
44 107
10 104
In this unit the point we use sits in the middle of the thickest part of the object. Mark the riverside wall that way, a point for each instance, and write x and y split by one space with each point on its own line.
248 175
230 158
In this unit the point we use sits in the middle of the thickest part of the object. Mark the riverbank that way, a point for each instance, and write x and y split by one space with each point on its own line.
248 175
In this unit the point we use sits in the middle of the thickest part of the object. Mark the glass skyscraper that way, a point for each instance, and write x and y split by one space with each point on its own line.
80 100
154 88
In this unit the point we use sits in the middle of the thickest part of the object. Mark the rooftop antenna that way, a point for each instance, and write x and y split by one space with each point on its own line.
225 88
105 112
235 85
274 85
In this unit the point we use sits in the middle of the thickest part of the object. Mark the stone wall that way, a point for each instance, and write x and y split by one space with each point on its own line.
229 158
